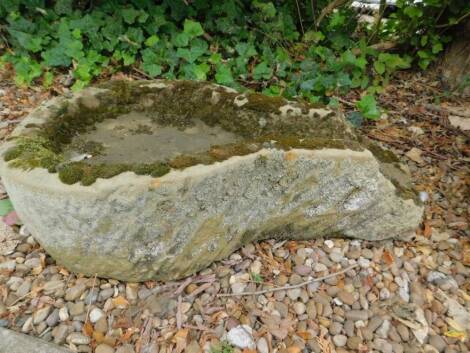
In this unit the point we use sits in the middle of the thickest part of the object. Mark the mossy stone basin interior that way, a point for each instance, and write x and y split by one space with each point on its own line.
151 127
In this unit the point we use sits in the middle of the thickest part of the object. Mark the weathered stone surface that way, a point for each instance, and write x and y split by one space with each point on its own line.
294 171
11 341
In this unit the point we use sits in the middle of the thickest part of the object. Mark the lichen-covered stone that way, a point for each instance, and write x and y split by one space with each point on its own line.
297 172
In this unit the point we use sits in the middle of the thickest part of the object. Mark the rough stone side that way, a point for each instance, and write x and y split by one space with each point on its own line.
138 227
13 342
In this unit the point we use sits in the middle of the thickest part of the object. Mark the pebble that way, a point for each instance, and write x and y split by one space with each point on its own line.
60 333
357 315
8 265
335 328
241 337
354 342
106 294
340 340
23 289
262 345
294 293
53 319
63 314
131 291
75 292
78 338
54 285
438 342
319 267
76 309
303 270
299 308
96 314
238 282
102 325
127 348
346 297
383 330
41 314
364 263
104 348
384 294
374 323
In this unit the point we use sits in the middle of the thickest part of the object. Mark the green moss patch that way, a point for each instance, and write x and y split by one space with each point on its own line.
258 119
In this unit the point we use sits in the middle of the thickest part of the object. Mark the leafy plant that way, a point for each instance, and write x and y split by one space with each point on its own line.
368 107
256 277
223 347
312 50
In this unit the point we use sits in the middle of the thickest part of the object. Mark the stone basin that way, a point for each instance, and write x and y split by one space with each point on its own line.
157 179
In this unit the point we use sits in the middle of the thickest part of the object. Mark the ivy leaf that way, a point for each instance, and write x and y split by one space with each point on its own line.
224 75
129 15
262 71
128 58
27 41
26 70
152 70
181 39
437 47
413 12
215 58
245 50
79 85
201 70
313 36
56 57
193 53
379 67
192 28
368 107
152 40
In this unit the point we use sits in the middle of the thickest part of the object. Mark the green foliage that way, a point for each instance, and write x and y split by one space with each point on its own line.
256 277
223 347
422 26
261 44
368 107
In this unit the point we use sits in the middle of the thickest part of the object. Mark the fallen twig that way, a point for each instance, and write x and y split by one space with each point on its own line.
179 313
269 290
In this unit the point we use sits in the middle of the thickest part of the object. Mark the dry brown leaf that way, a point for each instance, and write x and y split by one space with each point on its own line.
466 254
128 334
98 337
460 122
88 329
388 257
325 345
120 302
306 335
293 349
180 339
427 232
415 155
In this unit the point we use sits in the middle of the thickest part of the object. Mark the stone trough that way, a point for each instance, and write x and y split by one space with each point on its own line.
157 179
